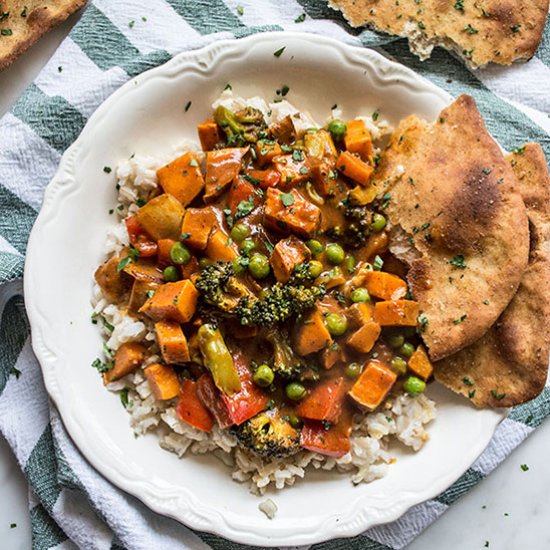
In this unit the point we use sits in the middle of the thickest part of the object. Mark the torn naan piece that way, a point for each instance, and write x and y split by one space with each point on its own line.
458 221
479 31
509 364
23 22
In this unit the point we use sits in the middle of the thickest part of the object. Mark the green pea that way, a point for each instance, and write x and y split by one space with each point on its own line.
406 350
294 421
315 246
414 385
247 246
360 295
335 254
240 232
336 324
204 262
337 128
315 268
399 365
263 376
180 254
170 274
350 263
353 370
396 340
295 391
238 266
378 222
259 266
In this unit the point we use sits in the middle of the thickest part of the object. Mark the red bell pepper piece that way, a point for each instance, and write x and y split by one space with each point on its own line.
266 178
324 402
250 400
210 396
332 442
142 242
191 409
242 190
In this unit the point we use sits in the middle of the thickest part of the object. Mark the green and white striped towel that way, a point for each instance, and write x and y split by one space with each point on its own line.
70 504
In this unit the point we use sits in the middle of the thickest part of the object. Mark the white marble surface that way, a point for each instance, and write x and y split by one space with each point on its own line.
510 509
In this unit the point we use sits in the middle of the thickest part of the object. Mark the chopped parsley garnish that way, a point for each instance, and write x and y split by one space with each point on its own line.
487 171
423 321
228 87
524 467
13 525
240 10
16 372
124 397
300 19
284 90
469 29
497 395
140 202
378 263
460 319
467 381
107 169
421 25
60 69
297 155
6 32
458 261
471 394
250 179
187 106
519 150
131 24
244 207
515 28
193 163
279 52
287 199
375 115
133 255
101 366
459 5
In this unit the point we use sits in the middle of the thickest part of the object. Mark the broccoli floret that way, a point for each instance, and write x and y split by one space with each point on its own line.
219 287
242 127
285 361
278 303
269 435
357 229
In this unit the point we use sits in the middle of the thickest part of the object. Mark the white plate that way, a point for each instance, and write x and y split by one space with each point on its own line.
147 115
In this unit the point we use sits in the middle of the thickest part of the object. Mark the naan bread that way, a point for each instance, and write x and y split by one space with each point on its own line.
23 22
509 365
454 201
479 31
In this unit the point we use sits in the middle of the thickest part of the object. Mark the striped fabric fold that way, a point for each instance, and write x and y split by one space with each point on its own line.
70 504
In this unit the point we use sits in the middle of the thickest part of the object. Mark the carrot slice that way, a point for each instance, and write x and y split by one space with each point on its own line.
354 168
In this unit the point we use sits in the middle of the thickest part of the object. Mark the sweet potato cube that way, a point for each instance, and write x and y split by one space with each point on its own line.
420 364
358 139
128 357
331 355
172 342
354 168
209 134
163 381
364 338
172 302
324 401
295 214
222 167
161 217
196 227
324 178
399 313
219 247
182 178
312 335
292 171
359 314
266 151
140 293
287 254
373 386
385 285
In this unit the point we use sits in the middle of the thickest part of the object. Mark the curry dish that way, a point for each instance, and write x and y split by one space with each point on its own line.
278 310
